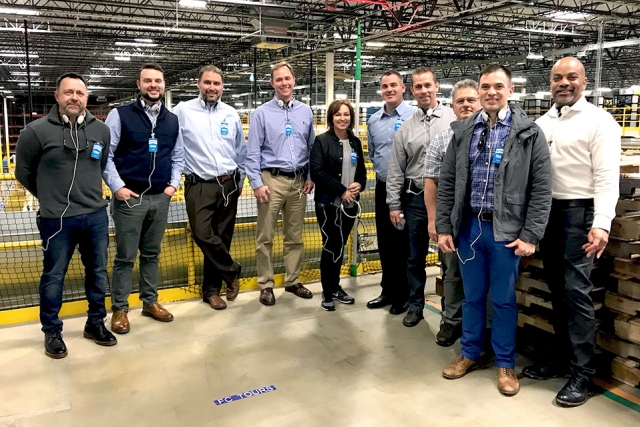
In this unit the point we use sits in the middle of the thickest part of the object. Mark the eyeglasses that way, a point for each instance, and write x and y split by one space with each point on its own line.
483 140
461 101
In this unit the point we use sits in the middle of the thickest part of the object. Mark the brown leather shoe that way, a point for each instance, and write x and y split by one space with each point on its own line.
508 383
120 322
158 312
299 291
267 297
216 302
233 289
459 368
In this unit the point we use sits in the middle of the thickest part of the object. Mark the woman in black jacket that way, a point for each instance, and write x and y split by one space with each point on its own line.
338 171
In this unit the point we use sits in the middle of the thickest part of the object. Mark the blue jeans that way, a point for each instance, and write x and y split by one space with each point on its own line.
90 232
493 267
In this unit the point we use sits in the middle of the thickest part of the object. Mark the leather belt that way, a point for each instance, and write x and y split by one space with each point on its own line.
193 178
484 216
277 171
572 203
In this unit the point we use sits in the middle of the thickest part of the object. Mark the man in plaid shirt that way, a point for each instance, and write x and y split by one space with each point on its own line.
494 199
465 102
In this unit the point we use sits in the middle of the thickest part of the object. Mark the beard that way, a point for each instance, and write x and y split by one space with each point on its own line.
210 99
150 99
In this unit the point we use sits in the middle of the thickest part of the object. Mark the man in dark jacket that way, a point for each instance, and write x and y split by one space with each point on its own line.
143 170
59 159
494 198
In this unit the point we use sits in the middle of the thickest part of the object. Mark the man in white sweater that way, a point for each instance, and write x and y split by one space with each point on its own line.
585 156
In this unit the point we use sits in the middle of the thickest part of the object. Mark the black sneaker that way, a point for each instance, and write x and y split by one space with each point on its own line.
54 346
343 297
99 334
448 334
327 305
575 392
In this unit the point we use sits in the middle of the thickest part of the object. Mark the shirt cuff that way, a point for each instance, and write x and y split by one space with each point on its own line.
601 221
256 183
175 184
118 184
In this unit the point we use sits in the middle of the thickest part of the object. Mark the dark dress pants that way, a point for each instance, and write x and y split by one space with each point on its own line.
393 246
567 270
335 227
417 224
212 225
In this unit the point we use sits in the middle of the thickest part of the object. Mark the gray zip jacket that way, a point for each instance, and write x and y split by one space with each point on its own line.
522 187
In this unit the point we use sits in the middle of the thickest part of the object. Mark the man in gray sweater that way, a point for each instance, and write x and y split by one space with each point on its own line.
405 181
60 159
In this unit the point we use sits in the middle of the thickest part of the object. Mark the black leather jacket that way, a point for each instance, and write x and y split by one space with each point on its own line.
326 166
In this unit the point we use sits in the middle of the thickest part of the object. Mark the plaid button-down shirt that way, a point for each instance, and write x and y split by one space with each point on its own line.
482 168
435 154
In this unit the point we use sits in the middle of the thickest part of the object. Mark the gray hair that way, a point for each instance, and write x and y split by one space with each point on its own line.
462 84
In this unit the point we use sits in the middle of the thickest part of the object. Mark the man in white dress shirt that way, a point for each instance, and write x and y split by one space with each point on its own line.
585 155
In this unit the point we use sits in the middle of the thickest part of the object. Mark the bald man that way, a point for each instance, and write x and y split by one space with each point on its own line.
584 142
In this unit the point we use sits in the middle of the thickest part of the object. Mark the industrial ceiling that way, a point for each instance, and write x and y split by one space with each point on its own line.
108 40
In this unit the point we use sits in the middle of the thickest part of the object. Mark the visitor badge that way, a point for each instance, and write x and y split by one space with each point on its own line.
399 122
224 128
96 152
354 157
288 130
497 156
153 145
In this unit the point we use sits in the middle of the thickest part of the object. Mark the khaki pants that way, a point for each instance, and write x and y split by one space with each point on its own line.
285 196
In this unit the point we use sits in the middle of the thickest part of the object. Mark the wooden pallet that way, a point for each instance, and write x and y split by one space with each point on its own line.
627 327
616 345
627 286
439 286
626 228
626 371
623 249
622 304
536 318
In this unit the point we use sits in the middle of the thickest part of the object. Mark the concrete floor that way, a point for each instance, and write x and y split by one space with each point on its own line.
351 367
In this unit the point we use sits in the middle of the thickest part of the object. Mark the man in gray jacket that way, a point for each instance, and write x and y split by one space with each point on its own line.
494 198
405 181
59 159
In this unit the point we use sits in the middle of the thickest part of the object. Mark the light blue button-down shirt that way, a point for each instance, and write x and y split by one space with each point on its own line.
270 147
111 175
213 139
381 129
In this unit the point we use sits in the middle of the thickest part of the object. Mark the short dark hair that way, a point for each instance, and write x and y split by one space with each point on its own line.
210 68
334 107
150 66
69 76
423 70
492 68
282 64
392 73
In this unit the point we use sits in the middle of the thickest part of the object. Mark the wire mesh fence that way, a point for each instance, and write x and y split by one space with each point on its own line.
181 261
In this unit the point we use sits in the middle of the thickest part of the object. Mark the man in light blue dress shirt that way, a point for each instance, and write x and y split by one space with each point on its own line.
215 153
280 138
393 244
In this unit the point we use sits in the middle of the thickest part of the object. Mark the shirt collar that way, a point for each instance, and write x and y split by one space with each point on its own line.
578 106
505 122
399 110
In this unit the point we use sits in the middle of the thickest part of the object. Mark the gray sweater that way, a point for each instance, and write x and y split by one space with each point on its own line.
45 160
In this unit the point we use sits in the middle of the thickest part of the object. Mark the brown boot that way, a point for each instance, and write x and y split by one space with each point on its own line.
216 302
459 368
158 312
120 322
508 383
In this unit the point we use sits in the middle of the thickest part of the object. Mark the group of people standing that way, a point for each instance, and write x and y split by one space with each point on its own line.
496 184
480 178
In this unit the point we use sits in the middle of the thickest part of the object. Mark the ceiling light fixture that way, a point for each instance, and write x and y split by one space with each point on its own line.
121 58
376 44
136 44
193 3
24 73
18 55
519 80
143 40
18 11
446 86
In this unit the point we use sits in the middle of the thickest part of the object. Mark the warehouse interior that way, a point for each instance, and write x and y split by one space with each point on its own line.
296 364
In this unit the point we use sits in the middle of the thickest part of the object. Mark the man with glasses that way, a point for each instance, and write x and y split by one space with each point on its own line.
494 197
465 104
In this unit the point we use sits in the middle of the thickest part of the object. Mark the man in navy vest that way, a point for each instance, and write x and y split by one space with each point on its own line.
143 171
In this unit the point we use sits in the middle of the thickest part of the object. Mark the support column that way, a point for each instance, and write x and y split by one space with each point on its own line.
168 99
328 91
